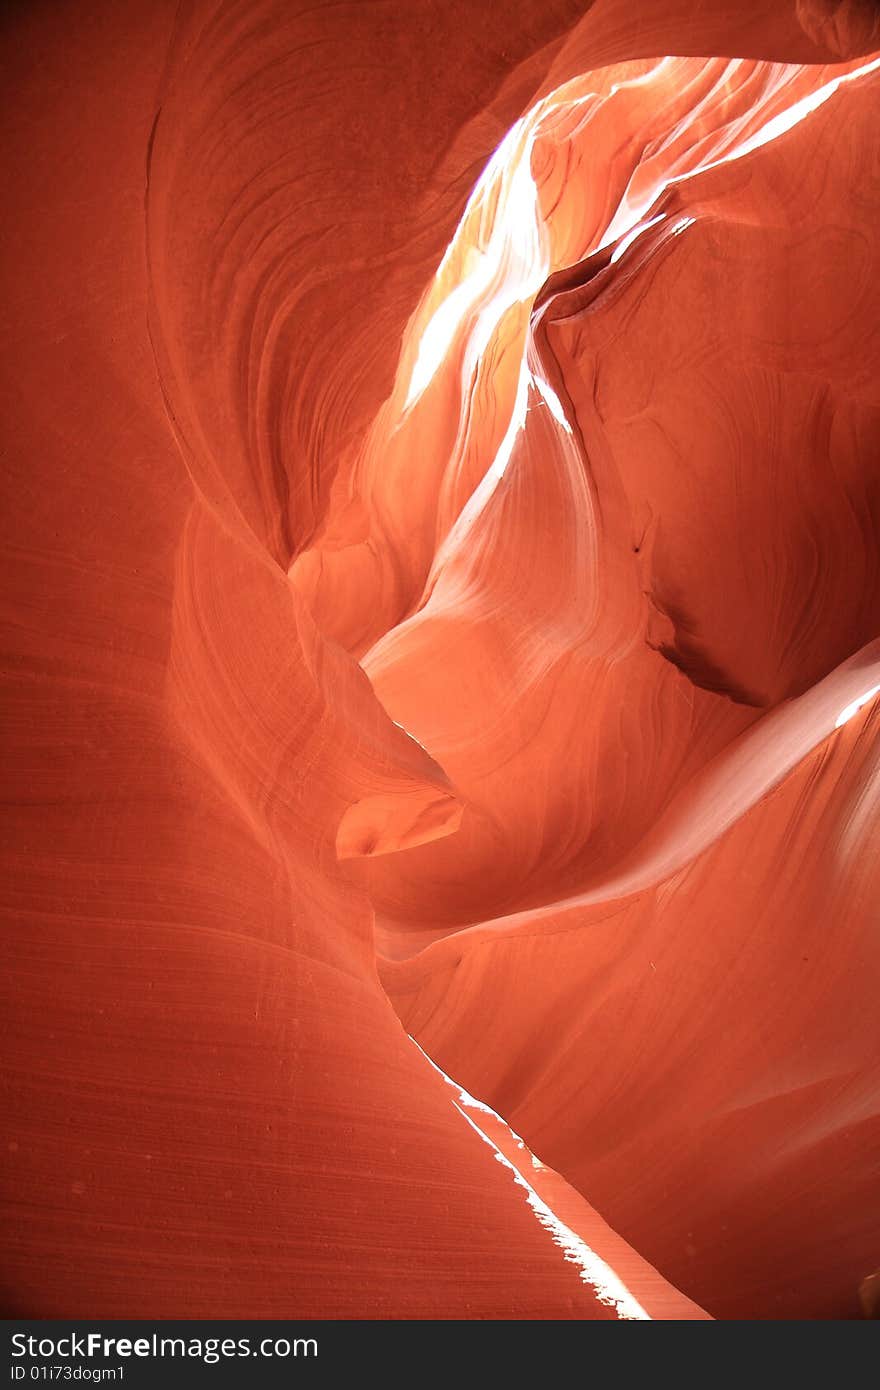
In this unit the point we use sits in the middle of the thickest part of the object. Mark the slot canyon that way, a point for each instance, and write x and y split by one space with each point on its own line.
441 609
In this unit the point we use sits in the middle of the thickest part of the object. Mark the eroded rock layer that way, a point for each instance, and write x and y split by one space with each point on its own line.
442 598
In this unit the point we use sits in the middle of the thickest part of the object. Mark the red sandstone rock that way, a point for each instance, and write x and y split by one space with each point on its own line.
455 575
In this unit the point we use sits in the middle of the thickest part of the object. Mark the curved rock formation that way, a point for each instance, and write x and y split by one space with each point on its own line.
443 613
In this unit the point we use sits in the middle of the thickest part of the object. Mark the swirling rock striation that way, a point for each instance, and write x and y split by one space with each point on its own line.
443 600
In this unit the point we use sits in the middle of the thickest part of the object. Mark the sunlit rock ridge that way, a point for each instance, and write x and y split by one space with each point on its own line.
442 659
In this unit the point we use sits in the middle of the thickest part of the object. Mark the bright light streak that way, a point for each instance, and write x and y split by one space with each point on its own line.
515 260
517 421
627 241
853 708
786 120
592 1269
551 400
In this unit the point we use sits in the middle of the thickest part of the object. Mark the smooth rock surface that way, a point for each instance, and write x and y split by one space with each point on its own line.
441 602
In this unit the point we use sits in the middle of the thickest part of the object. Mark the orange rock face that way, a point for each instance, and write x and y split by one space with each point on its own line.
442 599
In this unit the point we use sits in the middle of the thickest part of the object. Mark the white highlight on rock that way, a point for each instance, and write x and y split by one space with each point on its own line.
786 120
593 1270
410 735
551 400
627 241
498 466
854 706
628 213
514 262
